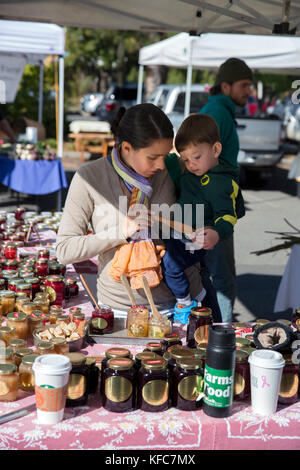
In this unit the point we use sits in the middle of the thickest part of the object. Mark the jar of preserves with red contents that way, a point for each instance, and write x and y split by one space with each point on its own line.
11 265
200 319
25 288
57 268
187 384
73 310
289 385
112 353
153 385
154 347
12 283
143 356
93 376
77 392
43 254
18 320
241 376
19 213
72 288
35 285
119 385
42 267
10 251
169 340
8 276
55 287
102 320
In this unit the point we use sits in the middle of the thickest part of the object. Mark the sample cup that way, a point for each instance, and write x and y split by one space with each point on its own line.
265 375
51 375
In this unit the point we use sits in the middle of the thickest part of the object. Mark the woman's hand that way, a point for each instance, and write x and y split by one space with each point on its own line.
136 221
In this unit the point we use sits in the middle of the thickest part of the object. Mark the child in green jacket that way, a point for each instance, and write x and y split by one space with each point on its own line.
208 181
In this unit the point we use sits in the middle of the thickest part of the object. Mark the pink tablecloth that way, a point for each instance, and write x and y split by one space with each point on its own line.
92 427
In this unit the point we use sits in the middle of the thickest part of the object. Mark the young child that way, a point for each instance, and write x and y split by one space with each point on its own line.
205 180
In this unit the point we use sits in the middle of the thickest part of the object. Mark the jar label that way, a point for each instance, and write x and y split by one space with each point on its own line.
118 389
288 385
218 387
191 387
76 386
49 398
239 384
156 392
51 292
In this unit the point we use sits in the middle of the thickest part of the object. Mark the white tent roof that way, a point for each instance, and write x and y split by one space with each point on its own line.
227 16
267 54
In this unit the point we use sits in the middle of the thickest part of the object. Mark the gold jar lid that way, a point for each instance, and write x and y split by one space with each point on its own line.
16 316
155 364
248 350
167 356
17 342
117 352
171 337
23 352
6 352
77 359
45 345
154 346
243 342
202 346
33 280
285 322
121 363
261 321
10 245
143 356
175 346
189 363
79 316
90 361
29 359
24 286
236 325
54 278
178 353
7 329
6 274
70 281
64 318
35 315
7 294
241 355
199 353
6 369
201 311
21 295
42 261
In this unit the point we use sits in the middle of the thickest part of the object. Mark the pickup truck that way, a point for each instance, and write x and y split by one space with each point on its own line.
261 138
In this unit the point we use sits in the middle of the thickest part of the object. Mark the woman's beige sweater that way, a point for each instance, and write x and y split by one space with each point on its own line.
93 197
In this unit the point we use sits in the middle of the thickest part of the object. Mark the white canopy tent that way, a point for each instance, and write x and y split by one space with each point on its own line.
24 43
271 54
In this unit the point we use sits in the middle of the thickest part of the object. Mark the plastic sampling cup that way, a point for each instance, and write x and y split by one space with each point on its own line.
51 376
265 374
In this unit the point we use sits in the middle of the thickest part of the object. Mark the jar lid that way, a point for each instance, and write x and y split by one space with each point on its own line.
43 251
16 342
7 294
154 364
70 281
199 353
248 350
79 315
17 316
77 359
202 346
284 321
154 346
117 352
121 363
243 342
45 345
189 363
236 325
29 359
241 355
201 311
6 369
143 356
7 329
33 280
71 310
24 286
90 361
261 321
56 308
11 245
42 261
6 352
178 353
15 281
23 352
54 278
35 315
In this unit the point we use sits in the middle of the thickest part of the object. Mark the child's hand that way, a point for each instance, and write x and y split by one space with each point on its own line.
211 238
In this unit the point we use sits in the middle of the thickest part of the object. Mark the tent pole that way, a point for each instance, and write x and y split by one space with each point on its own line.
41 86
189 73
140 85
60 120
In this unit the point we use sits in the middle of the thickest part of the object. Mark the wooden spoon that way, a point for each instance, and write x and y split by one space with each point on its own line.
94 301
154 310
128 289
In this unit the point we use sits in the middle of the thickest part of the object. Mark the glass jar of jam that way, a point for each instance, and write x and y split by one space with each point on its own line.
77 392
78 318
7 333
20 353
45 254
13 283
45 347
42 267
187 384
93 376
71 287
289 385
18 320
11 265
242 343
60 345
178 353
102 320
242 376
169 340
19 213
10 251
6 356
154 347
295 316
119 385
35 320
143 356
7 301
73 310
153 385
9 382
55 286
35 286
55 311
26 373
17 343
8 276
111 354
56 269
25 288
200 319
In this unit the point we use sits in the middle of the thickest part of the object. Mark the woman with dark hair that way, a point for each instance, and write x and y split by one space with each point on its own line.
100 194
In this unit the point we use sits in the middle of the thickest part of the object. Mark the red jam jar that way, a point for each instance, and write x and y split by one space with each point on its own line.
112 353
170 340
105 323
200 319
153 385
12 283
187 384
289 385
35 285
72 287
241 389
42 267
11 265
25 288
19 213
57 268
119 385
44 254
10 251
55 287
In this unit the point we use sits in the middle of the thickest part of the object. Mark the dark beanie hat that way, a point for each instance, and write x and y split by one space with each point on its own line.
233 70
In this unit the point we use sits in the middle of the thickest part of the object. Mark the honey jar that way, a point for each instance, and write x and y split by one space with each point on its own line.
7 333
7 301
119 385
20 353
9 382
77 392
17 343
18 320
21 298
60 345
41 305
153 385
35 320
55 311
137 321
26 373
187 384
6 356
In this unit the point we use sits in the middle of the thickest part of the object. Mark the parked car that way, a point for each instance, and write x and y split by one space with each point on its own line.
90 102
261 138
114 98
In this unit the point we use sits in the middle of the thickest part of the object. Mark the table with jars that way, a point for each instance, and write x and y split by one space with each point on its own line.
145 395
